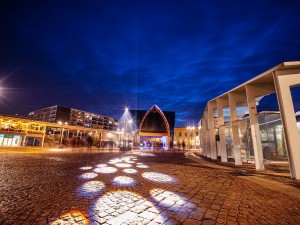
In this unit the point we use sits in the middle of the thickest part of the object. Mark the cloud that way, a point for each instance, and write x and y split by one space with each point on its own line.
99 56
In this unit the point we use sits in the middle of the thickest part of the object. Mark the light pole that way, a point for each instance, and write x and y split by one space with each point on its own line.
61 132
130 122
125 127
122 138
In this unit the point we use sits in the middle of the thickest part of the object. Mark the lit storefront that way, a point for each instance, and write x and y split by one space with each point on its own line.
16 131
187 137
19 131
10 140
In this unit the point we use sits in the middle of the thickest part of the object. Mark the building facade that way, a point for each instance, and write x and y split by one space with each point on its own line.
187 137
57 126
17 131
155 127
74 117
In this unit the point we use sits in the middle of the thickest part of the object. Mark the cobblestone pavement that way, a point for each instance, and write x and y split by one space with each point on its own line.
133 188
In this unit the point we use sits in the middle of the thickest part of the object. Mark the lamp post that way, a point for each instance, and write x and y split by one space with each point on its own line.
61 132
125 126
130 122
122 137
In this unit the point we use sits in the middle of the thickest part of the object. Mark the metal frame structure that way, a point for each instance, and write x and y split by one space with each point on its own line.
155 107
279 80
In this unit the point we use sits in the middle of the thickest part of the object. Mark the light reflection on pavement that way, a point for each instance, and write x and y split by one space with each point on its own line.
122 206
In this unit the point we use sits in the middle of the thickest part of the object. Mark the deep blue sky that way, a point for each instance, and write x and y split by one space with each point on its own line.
100 55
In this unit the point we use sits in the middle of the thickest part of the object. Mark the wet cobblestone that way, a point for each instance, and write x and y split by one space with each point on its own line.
161 188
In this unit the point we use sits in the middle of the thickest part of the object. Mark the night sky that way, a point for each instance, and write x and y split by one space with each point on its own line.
98 56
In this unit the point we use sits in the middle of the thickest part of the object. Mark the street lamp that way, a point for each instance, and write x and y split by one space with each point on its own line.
125 126
61 132
123 139
130 123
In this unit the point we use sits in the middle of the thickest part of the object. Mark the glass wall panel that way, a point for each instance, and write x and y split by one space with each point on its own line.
246 139
272 137
229 140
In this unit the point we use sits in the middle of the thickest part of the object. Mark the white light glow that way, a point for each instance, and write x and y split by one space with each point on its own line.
72 217
130 171
143 154
114 161
167 198
101 165
123 165
159 177
57 150
127 159
124 181
85 168
142 166
107 169
91 188
87 176
128 208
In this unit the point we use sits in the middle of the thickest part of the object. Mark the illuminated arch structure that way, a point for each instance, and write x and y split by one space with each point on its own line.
155 126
